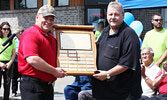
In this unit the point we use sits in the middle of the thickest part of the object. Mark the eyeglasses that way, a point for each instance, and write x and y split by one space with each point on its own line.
6 29
157 20
145 54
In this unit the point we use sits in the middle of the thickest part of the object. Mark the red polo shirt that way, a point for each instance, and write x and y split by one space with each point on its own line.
34 42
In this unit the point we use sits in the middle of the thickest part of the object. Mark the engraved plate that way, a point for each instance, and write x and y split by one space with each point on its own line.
72 51
75 41
72 55
63 58
90 69
80 51
72 65
81 66
89 52
81 58
73 62
63 55
81 62
72 58
81 69
63 61
66 69
90 62
89 66
89 55
63 51
72 69
80 55
64 65
88 59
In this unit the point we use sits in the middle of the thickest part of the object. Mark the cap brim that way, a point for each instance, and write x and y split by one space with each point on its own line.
49 14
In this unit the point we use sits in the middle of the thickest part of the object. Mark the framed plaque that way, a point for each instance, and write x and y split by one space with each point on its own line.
76 49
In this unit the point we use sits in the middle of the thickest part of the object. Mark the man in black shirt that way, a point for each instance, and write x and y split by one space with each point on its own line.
118 53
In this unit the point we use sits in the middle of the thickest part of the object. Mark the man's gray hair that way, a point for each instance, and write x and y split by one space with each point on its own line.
150 49
115 5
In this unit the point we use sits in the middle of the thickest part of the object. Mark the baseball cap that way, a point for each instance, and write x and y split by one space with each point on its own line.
46 10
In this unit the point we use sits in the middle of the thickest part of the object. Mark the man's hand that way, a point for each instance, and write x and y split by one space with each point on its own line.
2 65
164 68
158 64
143 71
60 73
101 76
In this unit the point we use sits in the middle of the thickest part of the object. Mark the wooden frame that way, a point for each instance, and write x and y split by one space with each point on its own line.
74 60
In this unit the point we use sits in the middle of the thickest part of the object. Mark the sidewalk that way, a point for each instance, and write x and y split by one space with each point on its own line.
58 88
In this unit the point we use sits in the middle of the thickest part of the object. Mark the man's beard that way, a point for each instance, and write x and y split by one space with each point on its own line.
158 27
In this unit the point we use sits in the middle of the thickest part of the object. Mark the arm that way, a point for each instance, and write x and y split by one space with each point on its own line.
38 63
112 72
158 80
163 57
148 81
12 59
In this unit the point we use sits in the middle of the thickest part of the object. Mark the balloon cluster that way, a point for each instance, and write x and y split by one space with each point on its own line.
136 25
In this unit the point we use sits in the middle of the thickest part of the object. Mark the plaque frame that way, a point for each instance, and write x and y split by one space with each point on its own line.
76 61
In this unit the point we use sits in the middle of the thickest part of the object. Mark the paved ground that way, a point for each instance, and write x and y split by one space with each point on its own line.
58 89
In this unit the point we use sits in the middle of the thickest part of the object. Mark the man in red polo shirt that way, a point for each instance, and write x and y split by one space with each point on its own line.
37 58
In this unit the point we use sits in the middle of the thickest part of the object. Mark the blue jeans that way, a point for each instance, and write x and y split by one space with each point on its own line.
80 83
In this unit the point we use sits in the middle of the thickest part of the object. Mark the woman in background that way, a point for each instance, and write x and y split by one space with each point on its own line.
6 58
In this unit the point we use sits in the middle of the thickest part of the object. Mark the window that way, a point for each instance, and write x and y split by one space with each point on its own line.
44 2
63 2
4 4
23 4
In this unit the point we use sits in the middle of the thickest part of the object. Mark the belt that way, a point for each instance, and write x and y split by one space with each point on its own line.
25 77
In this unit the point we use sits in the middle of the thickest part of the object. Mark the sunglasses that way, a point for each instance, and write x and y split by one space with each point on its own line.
157 20
6 29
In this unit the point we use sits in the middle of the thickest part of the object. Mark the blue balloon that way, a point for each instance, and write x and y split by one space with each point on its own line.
128 18
137 26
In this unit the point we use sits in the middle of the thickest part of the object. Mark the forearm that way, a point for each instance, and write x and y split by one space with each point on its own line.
149 83
157 81
117 70
39 64
163 57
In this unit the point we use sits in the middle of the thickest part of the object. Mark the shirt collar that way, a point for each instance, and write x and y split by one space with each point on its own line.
149 66
119 30
42 32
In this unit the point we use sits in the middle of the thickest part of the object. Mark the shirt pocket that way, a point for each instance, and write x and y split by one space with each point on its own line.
111 52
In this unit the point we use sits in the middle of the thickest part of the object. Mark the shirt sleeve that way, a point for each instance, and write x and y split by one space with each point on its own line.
30 45
130 51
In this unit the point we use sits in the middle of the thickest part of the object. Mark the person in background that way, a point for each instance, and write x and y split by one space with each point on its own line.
81 83
37 57
6 58
157 40
99 31
148 71
161 82
118 54
15 73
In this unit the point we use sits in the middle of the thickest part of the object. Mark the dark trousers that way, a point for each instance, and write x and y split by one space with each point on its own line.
35 89
7 78
15 76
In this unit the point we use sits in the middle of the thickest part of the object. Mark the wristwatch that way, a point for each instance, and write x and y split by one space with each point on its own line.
146 78
108 76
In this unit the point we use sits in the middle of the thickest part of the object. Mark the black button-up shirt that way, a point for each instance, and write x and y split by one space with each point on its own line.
121 48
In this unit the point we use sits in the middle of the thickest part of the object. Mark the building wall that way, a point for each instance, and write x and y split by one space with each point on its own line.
26 18
145 16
